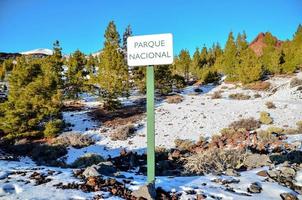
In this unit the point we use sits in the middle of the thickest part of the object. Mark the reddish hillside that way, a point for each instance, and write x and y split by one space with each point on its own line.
258 43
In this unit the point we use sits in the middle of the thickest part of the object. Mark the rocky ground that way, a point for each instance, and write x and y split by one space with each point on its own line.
221 141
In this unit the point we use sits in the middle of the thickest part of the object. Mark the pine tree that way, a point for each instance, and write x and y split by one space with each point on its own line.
293 52
196 63
56 63
203 57
229 58
163 79
249 69
127 33
113 72
33 100
75 76
182 64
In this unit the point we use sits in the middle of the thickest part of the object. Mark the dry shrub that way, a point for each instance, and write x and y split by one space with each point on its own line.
175 99
247 124
259 86
266 137
295 82
183 144
274 129
87 160
123 132
216 95
76 140
270 105
299 126
239 96
257 96
214 161
265 118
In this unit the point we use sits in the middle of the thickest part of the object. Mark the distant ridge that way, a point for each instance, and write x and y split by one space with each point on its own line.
40 51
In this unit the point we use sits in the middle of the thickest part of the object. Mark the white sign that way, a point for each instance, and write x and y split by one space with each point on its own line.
150 50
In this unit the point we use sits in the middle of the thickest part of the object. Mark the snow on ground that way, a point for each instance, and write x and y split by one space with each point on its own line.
198 115
18 186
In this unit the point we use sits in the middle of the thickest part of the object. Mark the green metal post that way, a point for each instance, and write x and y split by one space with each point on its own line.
150 125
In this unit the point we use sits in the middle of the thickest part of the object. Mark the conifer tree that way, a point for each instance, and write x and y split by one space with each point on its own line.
293 52
182 64
33 103
196 63
75 75
229 58
126 34
203 57
249 69
113 72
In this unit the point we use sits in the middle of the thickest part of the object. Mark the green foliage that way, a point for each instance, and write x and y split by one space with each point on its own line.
249 68
163 79
182 64
75 76
52 128
34 98
113 74
265 118
229 58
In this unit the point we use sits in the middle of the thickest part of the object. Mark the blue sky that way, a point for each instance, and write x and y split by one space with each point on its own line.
30 24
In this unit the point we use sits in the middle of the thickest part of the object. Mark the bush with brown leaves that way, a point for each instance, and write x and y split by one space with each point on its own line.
174 99
295 82
248 124
214 161
123 132
270 105
239 96
76 140
216 95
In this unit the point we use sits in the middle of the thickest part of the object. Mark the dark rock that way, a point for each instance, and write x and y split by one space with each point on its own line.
254 188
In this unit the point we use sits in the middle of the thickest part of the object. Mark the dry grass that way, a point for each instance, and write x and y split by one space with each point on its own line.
259 86
214 161
295 82
266 137
76 140
216 95
239 96
270 105
183 144
247 124
123 132
175 99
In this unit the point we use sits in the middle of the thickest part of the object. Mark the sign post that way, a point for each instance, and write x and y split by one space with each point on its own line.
150 50
150 125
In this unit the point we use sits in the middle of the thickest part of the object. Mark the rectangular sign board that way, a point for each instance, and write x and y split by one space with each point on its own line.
150 50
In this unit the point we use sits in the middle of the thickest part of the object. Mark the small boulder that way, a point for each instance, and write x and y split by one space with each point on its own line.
262 173
103 168
254 188
146 191
256 160
288 196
